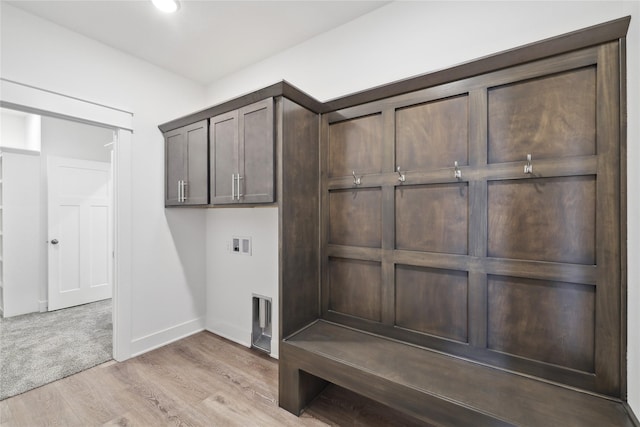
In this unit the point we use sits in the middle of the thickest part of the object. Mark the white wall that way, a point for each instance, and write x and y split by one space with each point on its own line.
19 130
65 138
409 38
33 124
168 277
12 130
20 232
234 278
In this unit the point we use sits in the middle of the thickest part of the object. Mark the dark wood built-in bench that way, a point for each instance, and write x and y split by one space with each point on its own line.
432 386
454 245
465 260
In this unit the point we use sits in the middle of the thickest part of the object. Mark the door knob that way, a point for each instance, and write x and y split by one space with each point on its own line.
54 242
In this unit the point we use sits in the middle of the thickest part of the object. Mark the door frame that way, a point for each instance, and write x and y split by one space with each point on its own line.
35 100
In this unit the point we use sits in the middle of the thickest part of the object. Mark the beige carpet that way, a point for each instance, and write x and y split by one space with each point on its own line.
38 348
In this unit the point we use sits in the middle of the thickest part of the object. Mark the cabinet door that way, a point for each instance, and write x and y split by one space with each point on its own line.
175 166
186 156
224 157
196 180
255 152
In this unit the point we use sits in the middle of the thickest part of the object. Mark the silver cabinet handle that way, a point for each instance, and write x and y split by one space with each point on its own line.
233 186
181 197
239 178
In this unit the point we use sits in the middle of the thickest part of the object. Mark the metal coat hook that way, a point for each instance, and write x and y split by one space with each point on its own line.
528 168
457 173
401 176
356 179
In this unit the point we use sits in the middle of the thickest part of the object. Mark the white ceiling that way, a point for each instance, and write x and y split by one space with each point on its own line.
204 40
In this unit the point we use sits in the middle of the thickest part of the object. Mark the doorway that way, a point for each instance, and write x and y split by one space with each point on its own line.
80 214
28 98
58 186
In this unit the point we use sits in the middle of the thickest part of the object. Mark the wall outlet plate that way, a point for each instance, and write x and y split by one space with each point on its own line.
240 245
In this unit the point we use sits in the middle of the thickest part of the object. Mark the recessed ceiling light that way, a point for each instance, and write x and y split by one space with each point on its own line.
166 6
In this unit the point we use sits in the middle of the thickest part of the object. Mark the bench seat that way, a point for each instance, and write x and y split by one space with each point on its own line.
431 386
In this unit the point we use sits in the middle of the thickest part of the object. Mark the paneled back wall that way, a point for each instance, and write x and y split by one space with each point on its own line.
437 230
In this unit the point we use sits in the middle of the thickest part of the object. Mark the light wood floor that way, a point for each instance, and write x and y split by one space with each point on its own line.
202 380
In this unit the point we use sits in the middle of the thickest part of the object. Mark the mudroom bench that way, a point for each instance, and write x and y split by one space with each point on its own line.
431 386
455 248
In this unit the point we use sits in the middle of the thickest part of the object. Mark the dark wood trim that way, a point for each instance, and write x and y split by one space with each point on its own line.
282 88
623 218
576 59
608 297
298 186
324 214
300 97
586 37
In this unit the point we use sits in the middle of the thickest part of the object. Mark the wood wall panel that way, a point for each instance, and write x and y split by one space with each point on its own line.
552 322
544 219
498 265
298 197
433 135
432 301
355 217
356 145
355 288
432 218
549 117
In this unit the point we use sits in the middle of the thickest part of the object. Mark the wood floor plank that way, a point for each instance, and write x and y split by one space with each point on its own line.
42 406
5 414
99 405
166 368
202 380
254 378
238 391
153 399
261 368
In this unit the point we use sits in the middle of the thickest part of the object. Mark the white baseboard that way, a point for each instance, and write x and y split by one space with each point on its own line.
230 332
237 335
161 338
43 306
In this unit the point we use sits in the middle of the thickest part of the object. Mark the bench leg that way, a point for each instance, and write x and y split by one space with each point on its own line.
296 389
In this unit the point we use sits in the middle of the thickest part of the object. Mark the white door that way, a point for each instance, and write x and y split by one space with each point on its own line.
79 233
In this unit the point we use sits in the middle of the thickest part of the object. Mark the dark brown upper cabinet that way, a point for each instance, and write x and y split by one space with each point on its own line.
242 155
186 154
